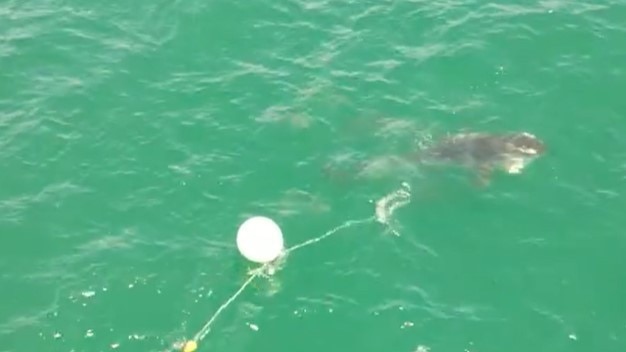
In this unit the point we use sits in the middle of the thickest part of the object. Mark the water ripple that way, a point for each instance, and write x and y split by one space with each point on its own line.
133 136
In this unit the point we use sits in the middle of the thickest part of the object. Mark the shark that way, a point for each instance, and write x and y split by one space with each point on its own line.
485 152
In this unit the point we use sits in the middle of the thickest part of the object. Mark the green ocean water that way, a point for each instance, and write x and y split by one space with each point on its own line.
135 137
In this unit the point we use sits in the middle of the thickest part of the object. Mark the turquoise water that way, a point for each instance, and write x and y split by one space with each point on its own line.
136 137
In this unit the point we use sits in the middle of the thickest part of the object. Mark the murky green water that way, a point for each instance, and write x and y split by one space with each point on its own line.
135 138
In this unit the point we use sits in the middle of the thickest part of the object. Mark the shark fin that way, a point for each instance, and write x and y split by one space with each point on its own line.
483 175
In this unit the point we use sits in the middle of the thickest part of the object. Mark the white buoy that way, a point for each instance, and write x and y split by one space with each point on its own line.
259 239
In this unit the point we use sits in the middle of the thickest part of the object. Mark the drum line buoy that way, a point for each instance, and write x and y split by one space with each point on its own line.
260 240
